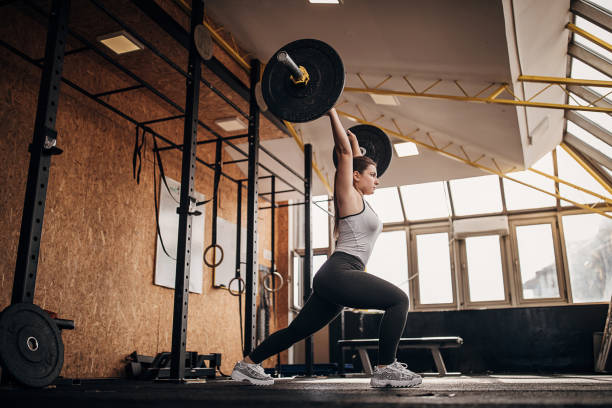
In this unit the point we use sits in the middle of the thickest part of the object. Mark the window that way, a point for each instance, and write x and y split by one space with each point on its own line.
476 195
520 197
386 204
536 261
589 139
588 243
388 260
298 276
296 293
580 70
317 263
597 32
484 268
426 200
571 171
434 278
320 222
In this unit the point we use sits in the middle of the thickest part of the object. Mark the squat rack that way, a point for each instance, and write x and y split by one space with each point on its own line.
45 139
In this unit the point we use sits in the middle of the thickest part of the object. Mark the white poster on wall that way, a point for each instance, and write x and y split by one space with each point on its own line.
165 264
226 238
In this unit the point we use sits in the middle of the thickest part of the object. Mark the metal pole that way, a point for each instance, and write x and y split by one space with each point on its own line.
307 247
272 235
252 209
238 229
216 178
183 253
41 150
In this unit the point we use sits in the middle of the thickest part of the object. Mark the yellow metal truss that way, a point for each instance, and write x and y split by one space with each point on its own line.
594 39
499 88
474 163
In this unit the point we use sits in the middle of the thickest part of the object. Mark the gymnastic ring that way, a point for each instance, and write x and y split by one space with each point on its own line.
240 291
208 248
266 287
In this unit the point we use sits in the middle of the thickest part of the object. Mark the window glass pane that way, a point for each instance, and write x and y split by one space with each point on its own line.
588 240
386 204
317 263
520 197
597 32
602 119
603 4
476 195
320 223
434 268
297 287
537 261
589 139
571 171
426 200
580 70
389 259
484 265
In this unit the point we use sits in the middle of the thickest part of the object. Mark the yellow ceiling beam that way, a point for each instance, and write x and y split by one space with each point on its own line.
480 100
587 167
471 163
565 81
589 36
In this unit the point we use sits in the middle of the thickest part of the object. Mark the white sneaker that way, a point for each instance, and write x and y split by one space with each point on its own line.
395 374
253 373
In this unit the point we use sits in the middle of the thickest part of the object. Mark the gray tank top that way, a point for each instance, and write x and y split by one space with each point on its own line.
357 233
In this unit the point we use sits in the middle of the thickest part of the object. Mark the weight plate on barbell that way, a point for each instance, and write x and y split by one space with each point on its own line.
376 144
303 103
31 347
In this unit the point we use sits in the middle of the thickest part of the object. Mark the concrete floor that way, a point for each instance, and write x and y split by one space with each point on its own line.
481 391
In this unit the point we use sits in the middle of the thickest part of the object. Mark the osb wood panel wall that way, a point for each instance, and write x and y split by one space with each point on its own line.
97 255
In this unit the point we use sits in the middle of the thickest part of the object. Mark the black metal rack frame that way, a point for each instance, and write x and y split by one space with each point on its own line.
45 135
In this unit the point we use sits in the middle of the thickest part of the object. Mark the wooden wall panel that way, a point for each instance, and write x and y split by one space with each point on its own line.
98 245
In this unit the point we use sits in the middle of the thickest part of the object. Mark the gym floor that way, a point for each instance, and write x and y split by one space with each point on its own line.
491 390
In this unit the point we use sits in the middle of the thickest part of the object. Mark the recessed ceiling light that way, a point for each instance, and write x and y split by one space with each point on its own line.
231 124
384 99
324 1
406 149
120 42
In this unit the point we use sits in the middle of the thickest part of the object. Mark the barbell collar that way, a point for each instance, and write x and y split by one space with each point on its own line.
297 74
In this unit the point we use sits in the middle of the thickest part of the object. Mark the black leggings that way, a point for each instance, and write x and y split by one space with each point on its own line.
340 282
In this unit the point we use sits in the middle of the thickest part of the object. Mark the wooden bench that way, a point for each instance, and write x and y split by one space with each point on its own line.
432 343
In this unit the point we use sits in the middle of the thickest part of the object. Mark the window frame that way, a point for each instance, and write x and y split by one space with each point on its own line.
413 269
465 301
537 219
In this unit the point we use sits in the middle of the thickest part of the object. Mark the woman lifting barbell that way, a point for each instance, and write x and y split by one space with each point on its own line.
341 281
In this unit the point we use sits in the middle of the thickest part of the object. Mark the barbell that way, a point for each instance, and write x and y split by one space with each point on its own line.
303 81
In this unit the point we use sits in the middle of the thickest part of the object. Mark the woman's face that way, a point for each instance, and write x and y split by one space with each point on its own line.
366 181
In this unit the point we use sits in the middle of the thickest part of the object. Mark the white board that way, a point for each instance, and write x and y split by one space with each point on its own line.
226 238
165 267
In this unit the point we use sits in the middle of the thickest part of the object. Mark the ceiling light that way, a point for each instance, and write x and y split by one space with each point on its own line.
406 149
120 42
324 1
384 99
231 124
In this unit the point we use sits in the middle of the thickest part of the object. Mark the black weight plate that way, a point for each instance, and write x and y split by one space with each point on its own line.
31 347
303 103
376 144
